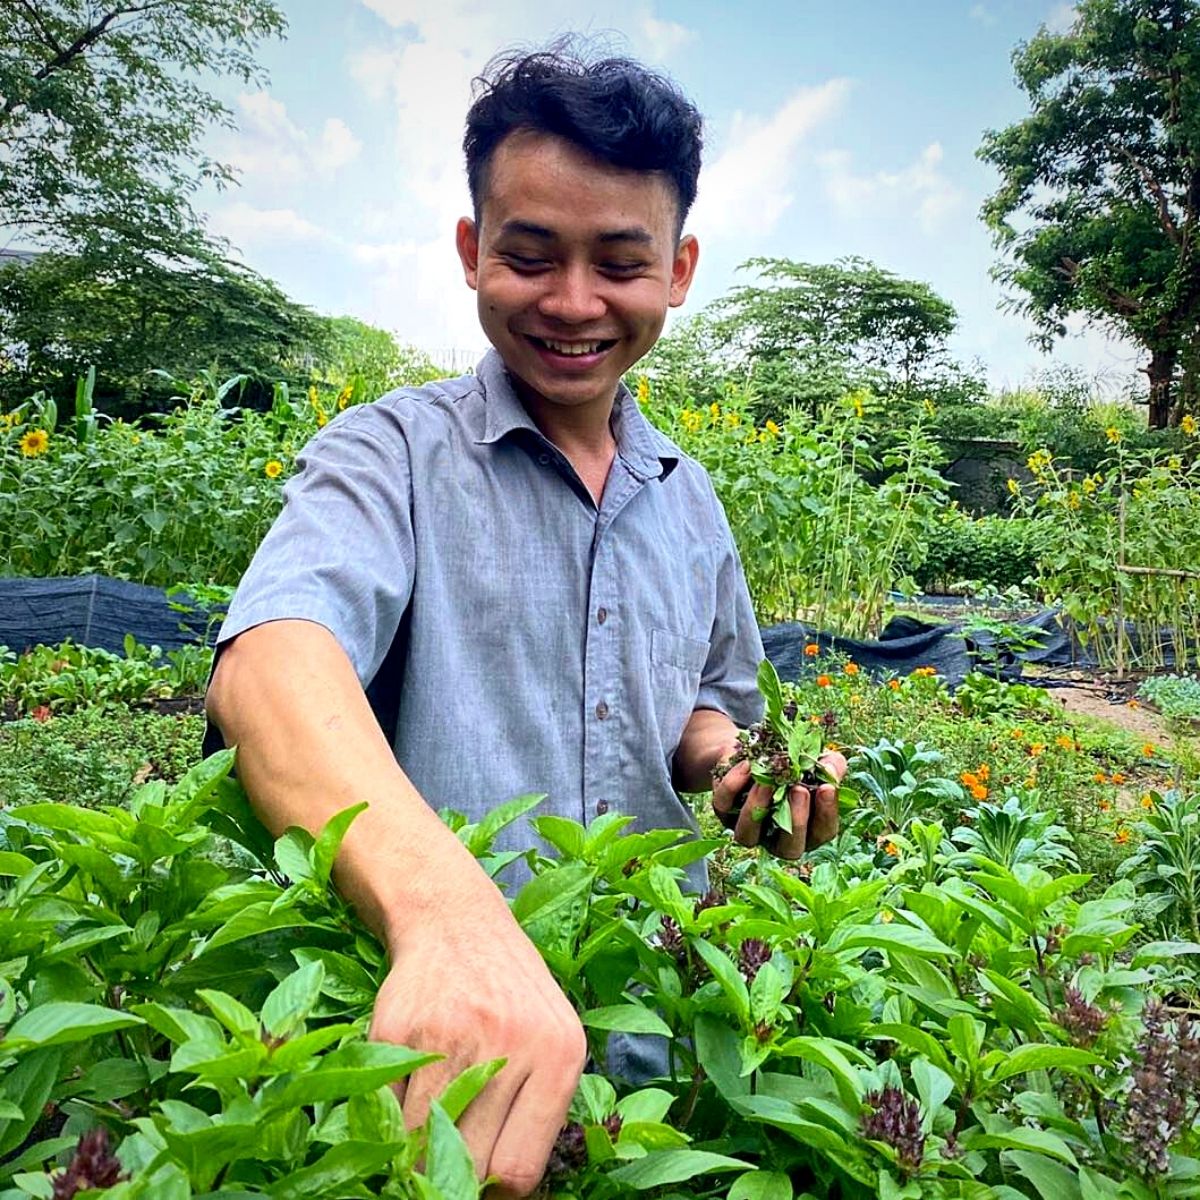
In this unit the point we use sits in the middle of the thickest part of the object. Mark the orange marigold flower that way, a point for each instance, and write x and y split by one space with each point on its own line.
1118 777
1121 836
41 713
1063 742
1100 777
983 771
1018 734
1132 704
924 672
1149 750
894 684
1147 800
892 849
823 681
1105 805
851 668
1037 749
969 779
979 792
812 650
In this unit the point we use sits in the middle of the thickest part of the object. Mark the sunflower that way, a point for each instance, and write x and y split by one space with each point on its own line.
1188 425
35 442
273 469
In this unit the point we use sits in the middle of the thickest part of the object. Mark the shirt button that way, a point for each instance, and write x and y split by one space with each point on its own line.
601 711
544 459
601 615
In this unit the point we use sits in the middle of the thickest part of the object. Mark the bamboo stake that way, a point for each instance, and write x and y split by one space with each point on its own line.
1120 590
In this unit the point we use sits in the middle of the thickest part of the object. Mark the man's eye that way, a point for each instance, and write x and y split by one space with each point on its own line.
622 268
522 263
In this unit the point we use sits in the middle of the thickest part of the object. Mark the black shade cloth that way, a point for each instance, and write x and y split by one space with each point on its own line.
92 610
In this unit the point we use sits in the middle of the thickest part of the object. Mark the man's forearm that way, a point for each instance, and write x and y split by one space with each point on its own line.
309 746
707 738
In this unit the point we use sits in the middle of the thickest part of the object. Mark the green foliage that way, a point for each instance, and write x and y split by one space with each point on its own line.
1014 833
1141 512
188 500
358 351
851 322
816 538
94 756
995 552
64 677
1175 696
892 783
194 989
1098 202
1166 864
103 118
127 318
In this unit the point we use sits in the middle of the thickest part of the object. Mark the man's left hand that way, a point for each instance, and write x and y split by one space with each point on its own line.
744 806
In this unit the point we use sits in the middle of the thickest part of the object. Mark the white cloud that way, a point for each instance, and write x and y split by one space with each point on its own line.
982 14
749 186
663 38
920 190
271 144
243 224
1061 18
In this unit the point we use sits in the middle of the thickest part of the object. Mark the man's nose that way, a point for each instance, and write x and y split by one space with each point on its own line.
572 296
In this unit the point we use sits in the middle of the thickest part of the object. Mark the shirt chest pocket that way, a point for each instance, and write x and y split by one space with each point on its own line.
676 664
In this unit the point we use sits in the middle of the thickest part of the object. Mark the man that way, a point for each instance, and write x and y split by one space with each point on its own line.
551 580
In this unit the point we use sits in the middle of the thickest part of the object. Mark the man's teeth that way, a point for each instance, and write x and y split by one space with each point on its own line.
572 348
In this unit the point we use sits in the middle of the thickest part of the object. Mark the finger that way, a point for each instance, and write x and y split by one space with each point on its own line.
792 845
535 1117
823 819
749 828
835 763
480 1125
727 792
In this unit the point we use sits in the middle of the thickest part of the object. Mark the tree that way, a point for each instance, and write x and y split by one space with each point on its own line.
1104 175
60 314
821 328
102 117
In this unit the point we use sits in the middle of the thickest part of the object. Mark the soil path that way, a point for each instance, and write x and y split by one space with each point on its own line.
1093 702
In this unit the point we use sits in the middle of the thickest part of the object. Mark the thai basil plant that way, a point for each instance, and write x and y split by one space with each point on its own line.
183 1008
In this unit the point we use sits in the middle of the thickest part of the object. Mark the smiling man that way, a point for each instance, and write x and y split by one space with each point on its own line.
545 583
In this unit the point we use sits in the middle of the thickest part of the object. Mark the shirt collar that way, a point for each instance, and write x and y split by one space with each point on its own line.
643 448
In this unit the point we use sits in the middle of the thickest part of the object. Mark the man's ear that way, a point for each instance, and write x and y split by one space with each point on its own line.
683 269
466 240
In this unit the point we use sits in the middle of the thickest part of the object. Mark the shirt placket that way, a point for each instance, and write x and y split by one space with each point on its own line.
603 690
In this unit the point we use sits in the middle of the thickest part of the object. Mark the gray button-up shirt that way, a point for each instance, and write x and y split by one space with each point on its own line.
541 644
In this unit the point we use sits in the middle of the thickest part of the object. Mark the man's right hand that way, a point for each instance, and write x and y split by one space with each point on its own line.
465 981
473 987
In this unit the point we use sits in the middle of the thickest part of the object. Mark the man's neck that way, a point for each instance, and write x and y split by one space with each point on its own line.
583 434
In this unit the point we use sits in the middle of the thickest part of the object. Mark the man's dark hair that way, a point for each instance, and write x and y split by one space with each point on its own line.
615 109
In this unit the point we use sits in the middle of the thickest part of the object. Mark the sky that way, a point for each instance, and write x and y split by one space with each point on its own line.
832 128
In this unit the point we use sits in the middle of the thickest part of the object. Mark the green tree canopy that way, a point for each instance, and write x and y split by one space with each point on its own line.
1099 198
60 314
818 329
102 115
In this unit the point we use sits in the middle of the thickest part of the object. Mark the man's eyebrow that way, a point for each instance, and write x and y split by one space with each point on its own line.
528 228
634 233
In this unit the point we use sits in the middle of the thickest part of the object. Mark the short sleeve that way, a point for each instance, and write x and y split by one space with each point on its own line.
729 682
341 552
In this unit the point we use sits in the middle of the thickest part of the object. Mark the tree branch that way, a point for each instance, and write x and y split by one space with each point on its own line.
87 38
1119 300
36 18
1156 190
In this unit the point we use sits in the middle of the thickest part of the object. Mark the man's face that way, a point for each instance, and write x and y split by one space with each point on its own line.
575 264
